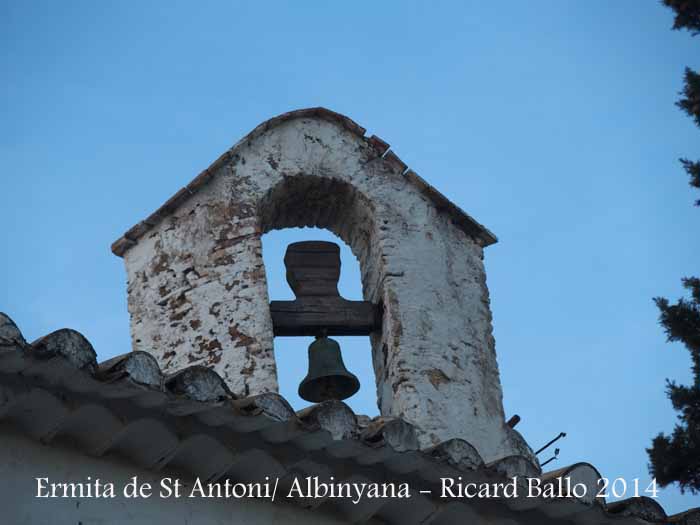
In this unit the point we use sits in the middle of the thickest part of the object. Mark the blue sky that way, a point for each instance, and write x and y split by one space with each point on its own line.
552 123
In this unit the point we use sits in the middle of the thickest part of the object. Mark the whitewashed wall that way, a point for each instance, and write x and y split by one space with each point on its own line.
198 293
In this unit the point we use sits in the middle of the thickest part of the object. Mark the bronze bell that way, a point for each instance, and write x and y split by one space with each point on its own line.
327 378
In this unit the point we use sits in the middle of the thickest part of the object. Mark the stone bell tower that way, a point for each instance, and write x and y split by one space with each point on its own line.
197 291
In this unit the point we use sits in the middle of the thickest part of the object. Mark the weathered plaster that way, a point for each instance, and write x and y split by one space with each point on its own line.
198 293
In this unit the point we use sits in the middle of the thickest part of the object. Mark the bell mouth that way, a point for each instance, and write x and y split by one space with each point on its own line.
336 387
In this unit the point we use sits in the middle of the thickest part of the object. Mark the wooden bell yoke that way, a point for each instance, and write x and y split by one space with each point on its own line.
313 270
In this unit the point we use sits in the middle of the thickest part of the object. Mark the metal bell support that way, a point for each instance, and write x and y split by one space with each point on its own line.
327 378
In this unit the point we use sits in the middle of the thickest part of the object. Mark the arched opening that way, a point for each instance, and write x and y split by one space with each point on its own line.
302 208
291 352
322 202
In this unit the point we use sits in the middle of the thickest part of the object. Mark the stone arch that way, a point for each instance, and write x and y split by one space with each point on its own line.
339 207
328 203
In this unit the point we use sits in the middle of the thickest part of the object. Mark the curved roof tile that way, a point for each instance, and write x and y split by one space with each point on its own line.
192 422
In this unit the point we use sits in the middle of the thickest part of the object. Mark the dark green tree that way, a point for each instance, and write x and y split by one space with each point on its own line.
687 14
690 103
688 17
676 458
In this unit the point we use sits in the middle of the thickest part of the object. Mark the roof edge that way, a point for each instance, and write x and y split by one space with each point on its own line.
463 220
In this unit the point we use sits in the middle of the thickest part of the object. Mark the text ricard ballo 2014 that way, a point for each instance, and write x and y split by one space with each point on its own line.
330 488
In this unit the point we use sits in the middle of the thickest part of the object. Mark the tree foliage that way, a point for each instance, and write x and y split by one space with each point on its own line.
676 458
692 169
687 14
690 103
688 17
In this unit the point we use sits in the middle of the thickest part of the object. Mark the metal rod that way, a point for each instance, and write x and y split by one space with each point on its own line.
555 456
550 459
561 435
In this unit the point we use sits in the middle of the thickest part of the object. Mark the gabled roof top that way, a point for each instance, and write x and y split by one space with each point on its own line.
460 218
54 388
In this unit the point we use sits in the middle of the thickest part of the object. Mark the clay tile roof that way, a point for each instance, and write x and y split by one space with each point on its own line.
460 218
189 421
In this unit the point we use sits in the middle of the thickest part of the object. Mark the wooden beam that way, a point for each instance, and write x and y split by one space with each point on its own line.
313 269
310 316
